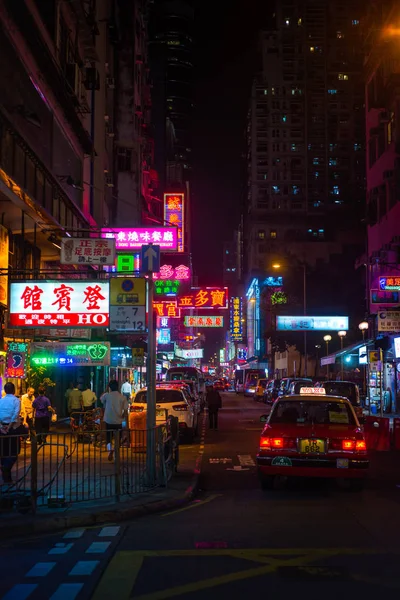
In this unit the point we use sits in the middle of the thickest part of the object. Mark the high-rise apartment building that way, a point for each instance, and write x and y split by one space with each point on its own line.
305 134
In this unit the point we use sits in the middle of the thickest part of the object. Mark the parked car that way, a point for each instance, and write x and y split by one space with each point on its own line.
191 390
286 382
297 384
260 389
346 389
272 391
176 401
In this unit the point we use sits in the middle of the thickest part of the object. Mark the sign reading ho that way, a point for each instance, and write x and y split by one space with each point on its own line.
312 323
87 251
59 304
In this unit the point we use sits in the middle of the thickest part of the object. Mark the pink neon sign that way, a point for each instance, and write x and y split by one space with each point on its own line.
136 237
169 272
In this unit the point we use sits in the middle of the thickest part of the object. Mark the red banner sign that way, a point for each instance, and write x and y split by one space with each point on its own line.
209 297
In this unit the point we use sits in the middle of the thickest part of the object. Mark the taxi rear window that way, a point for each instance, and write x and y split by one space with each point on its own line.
318 413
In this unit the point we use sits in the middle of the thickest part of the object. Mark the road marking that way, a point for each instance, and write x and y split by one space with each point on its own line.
238 468
120 577
109 531
84 567
194 505
74 534
20 591
67 591
41 569
246 460
217 461
60 549
97 547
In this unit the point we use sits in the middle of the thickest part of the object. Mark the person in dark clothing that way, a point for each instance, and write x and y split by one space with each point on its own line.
214 403
43 410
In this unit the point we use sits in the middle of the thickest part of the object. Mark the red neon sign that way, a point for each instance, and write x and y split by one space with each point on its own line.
174 215
167 308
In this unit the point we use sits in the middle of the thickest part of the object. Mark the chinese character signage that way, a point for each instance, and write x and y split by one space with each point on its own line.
236 316
389 284
210 297
70 354
163 336
132 239
389 321
203 321
127 304
312 323
196 353
182 273
3 265
74 303
164 287
16 360
174 214
167 308
87 251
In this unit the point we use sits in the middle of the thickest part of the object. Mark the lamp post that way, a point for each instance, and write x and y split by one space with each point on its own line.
303 266
317 349
327 339
342 335
363 327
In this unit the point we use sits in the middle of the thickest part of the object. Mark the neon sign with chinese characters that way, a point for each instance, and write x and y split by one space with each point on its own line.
167 308
174 215
182 273
236 320
163 287
70 354
163 336
391 284
131 239
209 297
16 360
59 304
203 321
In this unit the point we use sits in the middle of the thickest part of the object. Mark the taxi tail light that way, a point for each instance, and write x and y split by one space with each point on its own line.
268 443
348 445
137 409
180 407
361 446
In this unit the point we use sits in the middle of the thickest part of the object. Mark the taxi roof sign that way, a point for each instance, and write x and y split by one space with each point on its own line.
312 390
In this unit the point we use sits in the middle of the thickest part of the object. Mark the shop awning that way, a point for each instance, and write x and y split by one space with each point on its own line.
330 359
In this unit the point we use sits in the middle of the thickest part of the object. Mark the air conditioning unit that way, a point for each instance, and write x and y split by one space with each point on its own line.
110 82
109 182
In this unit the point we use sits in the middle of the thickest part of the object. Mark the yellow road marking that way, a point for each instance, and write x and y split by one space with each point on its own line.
194 505
120 577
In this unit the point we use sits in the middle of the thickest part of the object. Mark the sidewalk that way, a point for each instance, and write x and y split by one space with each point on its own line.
180 489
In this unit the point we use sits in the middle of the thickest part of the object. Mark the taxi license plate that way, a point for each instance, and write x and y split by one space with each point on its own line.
312 446
160 413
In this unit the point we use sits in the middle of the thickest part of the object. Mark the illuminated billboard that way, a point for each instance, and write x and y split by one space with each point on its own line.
174 215
208 297
236 319
312 323
136 237
390 283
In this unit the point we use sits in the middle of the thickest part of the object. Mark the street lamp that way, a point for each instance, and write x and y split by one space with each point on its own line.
327 339
342 335
303 265
317 348
363 327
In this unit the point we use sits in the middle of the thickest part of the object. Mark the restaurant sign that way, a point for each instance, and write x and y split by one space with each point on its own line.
208 297
73 303
196 321
136 237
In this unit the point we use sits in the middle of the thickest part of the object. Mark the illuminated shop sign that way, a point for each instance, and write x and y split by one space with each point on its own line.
203 321
312 323
167 308
89 251
182 272
128 263
69 354
163 336
209 297
389 283
164 287
273 281
236 319
133 238
16 359
174 214
197 353
59 304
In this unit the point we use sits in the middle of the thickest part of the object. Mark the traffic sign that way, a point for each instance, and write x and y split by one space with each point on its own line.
128 304
150 262
138 357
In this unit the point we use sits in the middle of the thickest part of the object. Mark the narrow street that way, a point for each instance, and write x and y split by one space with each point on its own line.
233 540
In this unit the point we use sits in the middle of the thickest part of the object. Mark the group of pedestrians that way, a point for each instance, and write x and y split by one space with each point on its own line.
78 400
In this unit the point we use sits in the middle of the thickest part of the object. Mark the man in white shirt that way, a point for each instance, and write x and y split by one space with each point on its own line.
126 390
88 398
115 411
10 407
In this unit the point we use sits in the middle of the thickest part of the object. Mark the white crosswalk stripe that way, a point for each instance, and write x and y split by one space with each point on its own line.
41 569
67 591
109 531
84 567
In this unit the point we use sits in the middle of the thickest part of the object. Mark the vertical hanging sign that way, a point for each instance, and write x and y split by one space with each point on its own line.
174 215
3 265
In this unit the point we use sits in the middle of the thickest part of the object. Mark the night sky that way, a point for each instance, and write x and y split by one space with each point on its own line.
225 58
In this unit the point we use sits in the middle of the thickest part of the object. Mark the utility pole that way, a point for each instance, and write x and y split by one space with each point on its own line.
151 387
305 312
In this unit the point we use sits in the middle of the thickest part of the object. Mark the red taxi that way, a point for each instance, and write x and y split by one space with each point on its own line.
312 435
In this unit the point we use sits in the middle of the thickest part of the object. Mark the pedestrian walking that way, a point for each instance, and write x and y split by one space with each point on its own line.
88 398
214 403
126 390
27 409
75 400
115 412
43 410
10 431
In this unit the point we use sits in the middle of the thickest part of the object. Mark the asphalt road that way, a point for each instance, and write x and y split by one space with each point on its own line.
234 540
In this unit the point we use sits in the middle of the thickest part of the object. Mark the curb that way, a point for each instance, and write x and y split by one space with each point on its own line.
113 514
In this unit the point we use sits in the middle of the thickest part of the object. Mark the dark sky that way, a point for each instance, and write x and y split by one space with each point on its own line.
225 58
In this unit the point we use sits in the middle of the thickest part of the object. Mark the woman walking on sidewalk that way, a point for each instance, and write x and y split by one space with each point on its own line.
43 410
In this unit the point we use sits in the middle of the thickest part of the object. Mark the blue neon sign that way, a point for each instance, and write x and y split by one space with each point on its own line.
312 323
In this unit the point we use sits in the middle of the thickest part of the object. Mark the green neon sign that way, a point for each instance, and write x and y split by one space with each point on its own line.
166 286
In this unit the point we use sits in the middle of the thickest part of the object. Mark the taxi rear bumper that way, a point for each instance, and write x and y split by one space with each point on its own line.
312 467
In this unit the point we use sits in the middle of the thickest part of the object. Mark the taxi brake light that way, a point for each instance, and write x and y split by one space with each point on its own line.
361 445
265 442
348 444
277 442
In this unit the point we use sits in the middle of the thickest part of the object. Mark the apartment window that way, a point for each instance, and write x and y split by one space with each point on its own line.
273 234
332 92
357 147
275 189
315 161
124 159
343 77
284 118
355 22
295 190
335 190
339 35
261 234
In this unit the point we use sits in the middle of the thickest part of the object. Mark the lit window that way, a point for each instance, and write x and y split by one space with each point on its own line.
287 22
295 190
355 22
343 77
332 92
275 189
316 174
312 48
299 22
339 35
265 92
315 161
284 118
335 190
357 147
227 251
273 91
273 234
261 234
293 147
332 162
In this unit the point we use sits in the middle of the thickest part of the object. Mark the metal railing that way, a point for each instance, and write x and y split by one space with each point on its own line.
66 468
